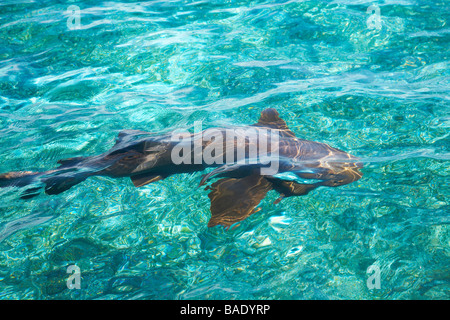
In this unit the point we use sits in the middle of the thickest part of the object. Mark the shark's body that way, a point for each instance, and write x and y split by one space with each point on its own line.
146 158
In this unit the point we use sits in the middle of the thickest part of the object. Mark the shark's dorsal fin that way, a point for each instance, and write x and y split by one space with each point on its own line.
270 118
127 134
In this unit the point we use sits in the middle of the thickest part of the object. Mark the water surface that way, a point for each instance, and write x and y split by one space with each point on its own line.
374 85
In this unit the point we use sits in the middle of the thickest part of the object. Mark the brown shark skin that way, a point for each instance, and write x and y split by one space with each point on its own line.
146 158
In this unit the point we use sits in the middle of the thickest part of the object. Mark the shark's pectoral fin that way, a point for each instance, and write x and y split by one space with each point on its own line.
242 168
55 182
291 188
233 200
143 179
236 168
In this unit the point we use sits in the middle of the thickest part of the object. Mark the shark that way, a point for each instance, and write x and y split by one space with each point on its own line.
242 176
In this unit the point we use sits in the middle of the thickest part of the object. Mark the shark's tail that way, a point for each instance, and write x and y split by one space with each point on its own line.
53 181
20 179
17 179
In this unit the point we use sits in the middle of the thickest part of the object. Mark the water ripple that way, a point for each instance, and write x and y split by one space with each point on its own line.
379 93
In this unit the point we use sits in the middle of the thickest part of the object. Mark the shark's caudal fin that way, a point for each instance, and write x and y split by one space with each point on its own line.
54 181
34 181
18 178
22 179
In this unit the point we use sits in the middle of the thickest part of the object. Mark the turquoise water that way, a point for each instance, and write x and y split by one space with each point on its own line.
375 84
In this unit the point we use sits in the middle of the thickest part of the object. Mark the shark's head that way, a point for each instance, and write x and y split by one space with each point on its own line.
344 168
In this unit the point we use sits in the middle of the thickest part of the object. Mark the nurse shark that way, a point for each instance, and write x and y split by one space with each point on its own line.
248 162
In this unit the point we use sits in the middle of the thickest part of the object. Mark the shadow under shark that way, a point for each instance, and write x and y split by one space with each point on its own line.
146 158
